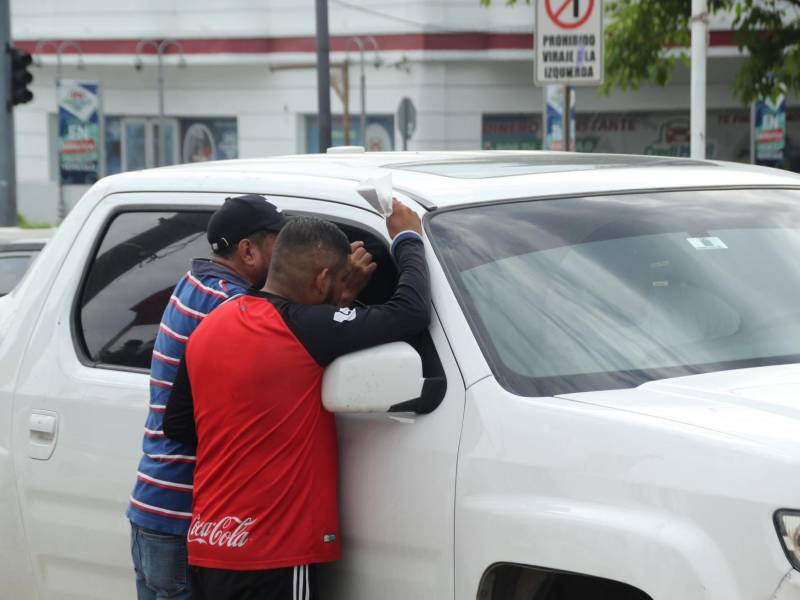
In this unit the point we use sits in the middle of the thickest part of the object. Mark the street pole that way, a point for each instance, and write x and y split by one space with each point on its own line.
160 49
752 133
8 180
344 96
59 48
40 46
323 76
363 83
161 144
567 116
363 80
699 23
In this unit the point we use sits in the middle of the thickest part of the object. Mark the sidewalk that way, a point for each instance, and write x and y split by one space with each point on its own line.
9 234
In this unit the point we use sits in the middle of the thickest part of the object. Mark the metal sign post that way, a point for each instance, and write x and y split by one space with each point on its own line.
567 117
569 48
406 120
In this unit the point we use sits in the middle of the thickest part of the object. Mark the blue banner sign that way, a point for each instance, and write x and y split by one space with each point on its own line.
79 131
769 132
555 101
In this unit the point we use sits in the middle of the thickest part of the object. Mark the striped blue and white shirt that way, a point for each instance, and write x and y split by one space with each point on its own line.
162 497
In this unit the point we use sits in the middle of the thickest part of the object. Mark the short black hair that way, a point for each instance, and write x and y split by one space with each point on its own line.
256 238
303 236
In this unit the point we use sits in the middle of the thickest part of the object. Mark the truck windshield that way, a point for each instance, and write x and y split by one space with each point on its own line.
582 294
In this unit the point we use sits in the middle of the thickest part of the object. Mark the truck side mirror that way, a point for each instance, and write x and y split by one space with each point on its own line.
382 379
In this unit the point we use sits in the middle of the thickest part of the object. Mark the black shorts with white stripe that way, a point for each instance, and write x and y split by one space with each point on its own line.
291 583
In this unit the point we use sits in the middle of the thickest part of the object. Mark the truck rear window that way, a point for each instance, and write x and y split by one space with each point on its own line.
141 257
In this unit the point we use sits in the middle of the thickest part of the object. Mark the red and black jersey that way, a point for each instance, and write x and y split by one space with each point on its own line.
265 482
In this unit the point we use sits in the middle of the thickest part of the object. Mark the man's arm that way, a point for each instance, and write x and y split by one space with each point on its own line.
328 332
179 415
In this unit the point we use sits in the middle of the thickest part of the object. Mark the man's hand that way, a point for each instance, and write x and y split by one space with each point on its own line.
402 219
360 271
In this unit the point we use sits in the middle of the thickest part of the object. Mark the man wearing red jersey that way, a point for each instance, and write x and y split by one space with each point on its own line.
249 388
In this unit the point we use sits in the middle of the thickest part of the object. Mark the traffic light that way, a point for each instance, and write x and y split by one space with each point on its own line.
20 76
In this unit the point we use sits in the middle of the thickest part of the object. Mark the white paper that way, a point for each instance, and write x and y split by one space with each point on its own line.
378 192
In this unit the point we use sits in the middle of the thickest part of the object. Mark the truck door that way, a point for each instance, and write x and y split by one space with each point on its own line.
398 475
398 478
81 401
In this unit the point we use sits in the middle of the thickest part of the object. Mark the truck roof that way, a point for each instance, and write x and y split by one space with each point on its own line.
444 179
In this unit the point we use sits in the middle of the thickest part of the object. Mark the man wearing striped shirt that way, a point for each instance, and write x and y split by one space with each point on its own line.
241 234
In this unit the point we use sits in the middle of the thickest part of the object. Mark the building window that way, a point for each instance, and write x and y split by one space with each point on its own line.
132 142
380 132
208 139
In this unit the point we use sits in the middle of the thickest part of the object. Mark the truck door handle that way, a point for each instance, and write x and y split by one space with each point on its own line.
43 427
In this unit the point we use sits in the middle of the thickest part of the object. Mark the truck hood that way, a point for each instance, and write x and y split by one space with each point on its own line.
761 404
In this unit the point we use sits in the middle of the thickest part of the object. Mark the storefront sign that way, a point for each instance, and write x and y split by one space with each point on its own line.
512 132
660 133
769 132
674 139
79 131
568 42
555 99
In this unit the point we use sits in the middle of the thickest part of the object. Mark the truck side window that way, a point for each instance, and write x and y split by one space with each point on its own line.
380 289
129 280
384 279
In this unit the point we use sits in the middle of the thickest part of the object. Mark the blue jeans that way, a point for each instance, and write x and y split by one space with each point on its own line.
161 564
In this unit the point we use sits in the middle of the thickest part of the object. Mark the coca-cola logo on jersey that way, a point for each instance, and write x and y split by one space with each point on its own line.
230 532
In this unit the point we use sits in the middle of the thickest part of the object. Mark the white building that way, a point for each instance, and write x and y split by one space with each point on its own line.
247 86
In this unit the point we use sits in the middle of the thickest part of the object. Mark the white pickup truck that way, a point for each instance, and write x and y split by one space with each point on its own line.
611 397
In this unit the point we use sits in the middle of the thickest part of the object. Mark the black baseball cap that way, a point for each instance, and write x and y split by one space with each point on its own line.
240 217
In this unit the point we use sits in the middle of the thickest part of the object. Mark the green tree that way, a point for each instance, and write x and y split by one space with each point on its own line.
646 39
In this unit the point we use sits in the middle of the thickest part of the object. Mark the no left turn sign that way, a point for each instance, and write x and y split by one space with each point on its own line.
560 12
568 42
